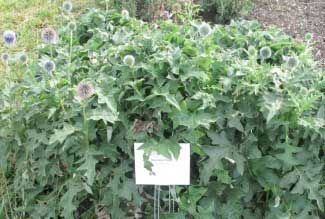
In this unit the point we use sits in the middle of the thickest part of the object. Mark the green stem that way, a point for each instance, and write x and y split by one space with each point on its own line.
7 193
51 51
70 55
85 126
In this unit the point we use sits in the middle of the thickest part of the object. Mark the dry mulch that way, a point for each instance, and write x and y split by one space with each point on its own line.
296 18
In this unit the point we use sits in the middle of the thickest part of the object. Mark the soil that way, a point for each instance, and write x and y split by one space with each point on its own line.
296 18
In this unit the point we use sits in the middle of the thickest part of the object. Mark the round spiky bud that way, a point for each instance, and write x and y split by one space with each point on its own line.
5 57
67 6
204 29
72 26
125 14
252 51
23 58
129 60
292 62
265 52
49 66
9 37
49 35
85 89
309 36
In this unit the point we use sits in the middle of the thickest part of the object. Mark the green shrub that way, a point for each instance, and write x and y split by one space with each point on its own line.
223 11
148 10
256 127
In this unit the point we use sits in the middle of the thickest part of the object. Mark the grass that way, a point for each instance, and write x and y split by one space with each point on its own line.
27 18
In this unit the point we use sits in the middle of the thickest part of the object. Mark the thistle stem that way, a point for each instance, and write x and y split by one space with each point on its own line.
70 54
85 126
51 52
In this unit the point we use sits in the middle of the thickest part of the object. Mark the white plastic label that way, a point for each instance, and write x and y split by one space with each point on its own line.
164 171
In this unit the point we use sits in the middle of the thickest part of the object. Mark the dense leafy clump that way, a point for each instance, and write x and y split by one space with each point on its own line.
256 126
223 11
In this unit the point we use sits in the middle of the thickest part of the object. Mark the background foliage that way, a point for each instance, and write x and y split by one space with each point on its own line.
219 11
223 11
256 127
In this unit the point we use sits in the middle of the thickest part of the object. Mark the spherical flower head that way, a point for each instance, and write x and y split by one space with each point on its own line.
265 52
49 35
23 58
129 60
67 6
125 14
309 36
85 90
72 26
292 62
204 29
252 51
9 37
5 57
49 66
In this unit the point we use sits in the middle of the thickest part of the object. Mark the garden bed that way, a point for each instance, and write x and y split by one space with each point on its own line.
296 17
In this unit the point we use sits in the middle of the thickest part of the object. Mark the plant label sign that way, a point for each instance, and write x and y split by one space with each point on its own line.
165 171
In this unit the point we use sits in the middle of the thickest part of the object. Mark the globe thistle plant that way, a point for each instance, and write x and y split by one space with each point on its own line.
265 52
67 6
125 14
129 60
5 57
292 62
9 37
49 35
204 29
85 90
49 66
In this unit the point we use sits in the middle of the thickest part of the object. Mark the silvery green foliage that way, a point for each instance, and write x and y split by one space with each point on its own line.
256 128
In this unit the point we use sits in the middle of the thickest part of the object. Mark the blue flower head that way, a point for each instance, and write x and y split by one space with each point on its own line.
85 89
67 6
49 35
49 66
9 37
5 57
23 58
